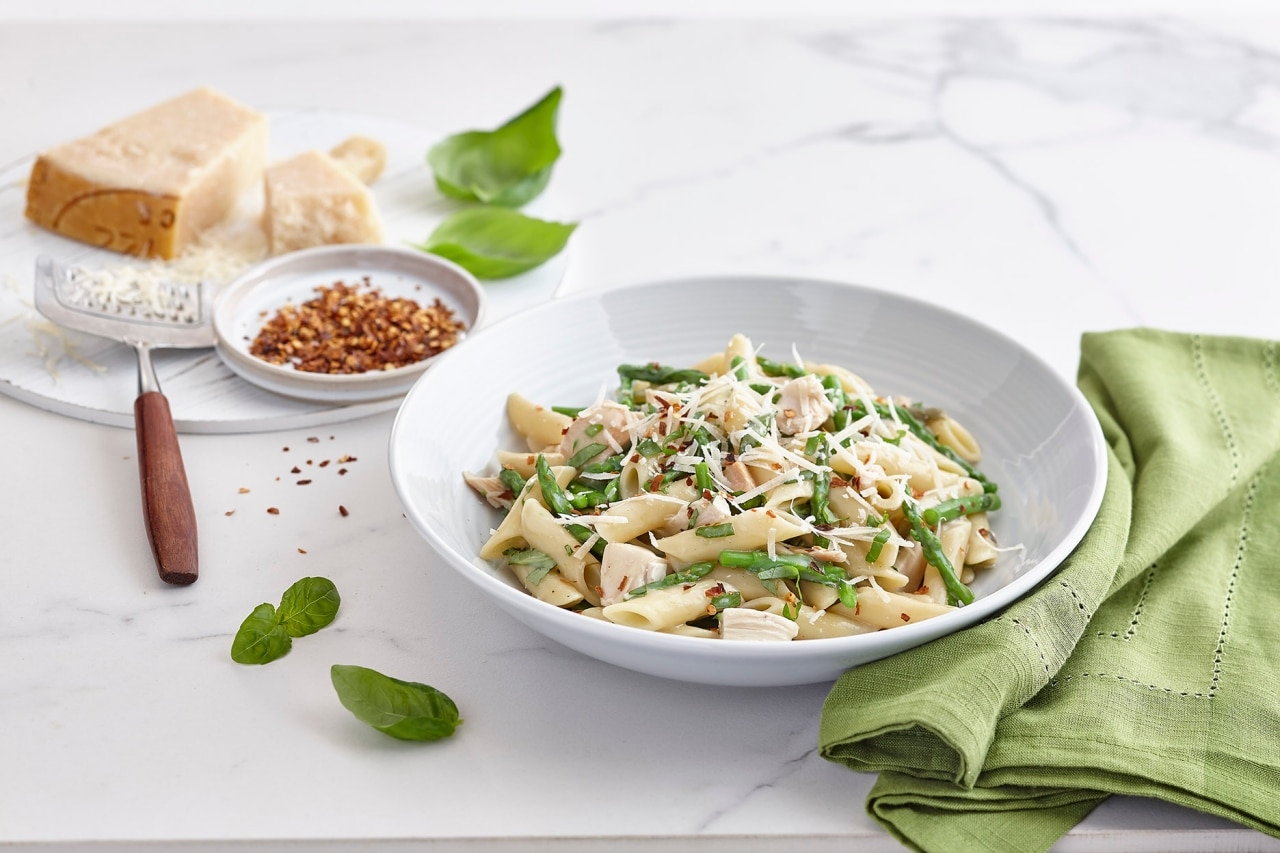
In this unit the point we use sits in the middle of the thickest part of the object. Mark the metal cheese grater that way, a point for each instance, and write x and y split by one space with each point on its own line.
145 317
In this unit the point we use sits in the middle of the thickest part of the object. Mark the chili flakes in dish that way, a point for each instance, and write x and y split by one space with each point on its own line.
356 329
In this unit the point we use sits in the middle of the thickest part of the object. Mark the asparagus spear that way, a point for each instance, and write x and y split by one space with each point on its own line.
956 507
819 504
559 503
791 567
957 592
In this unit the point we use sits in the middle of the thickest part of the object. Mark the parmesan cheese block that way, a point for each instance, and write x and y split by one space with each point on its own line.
311 200
149 184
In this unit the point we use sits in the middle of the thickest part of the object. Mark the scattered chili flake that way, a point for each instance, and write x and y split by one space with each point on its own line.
243 490
324 463
304 482
342 511
230 512
355 329
313 439
286 450
295 470
345 458
342 470
905 617
273 510
302 550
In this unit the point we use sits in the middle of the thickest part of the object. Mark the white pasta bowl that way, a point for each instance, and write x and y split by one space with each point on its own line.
1041 442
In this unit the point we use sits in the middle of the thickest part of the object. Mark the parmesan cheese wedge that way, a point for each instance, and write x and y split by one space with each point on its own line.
311 200
151 183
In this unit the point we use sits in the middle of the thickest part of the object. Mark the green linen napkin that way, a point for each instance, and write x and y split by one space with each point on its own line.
1148 665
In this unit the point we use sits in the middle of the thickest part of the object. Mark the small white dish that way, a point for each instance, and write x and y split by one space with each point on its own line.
1041 442
248 302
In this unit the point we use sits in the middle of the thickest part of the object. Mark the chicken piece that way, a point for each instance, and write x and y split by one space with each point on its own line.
699 512
607 423
738 477
711 511
492 489
803 405
743 623
625 567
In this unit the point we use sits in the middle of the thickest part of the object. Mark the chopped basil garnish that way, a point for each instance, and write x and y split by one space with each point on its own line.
877 545
585 455
715 531
539 563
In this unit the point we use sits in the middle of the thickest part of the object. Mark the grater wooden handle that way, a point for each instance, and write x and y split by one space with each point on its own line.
166 498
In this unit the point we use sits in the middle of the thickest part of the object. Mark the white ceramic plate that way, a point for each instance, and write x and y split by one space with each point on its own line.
252 299
1041 441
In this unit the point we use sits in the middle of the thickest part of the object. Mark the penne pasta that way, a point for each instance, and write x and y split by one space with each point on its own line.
787 495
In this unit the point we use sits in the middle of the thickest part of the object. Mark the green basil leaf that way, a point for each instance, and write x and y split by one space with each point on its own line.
509 166
403 709
494 242
261 638
308 606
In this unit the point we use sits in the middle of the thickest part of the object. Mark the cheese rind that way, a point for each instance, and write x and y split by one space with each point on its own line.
149 184
311 200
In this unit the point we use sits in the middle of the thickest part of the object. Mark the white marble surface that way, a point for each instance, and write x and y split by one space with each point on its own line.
1045 176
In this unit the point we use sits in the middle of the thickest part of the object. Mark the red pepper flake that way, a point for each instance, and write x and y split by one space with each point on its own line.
272 511
243 490
324 463
342 511
354 329
904 617
230 512
302 550
304 482
286 450
313 439
295 470
342 471
346 458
